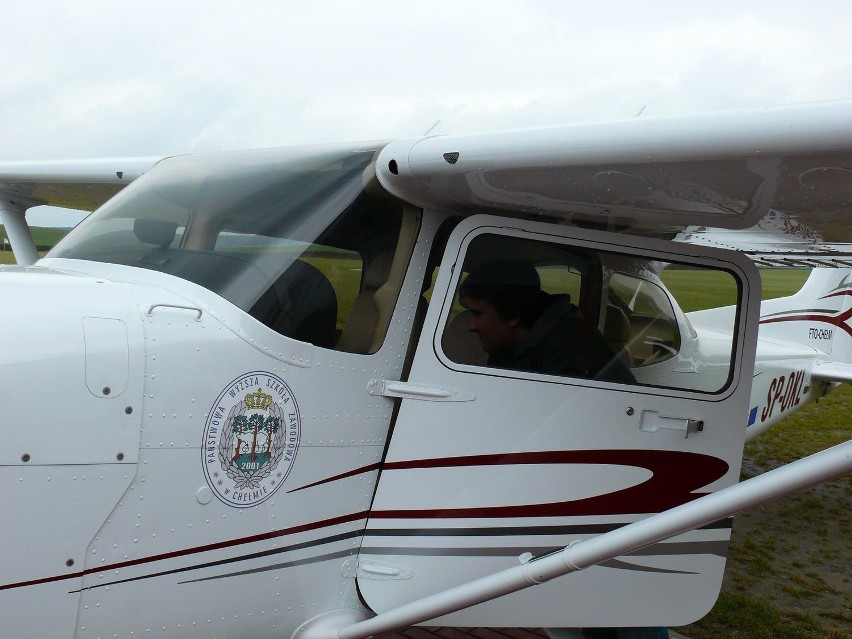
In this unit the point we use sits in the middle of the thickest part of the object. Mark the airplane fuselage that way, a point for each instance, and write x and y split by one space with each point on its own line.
243 394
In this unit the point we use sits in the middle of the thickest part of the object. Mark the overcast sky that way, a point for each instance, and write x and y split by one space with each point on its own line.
93 78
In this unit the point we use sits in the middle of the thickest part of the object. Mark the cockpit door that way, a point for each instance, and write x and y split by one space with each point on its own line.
490 460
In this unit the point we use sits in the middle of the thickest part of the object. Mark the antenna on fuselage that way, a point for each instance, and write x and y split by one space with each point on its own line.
432 128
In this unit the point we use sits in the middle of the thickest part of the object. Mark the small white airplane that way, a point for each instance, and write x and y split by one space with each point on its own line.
257 394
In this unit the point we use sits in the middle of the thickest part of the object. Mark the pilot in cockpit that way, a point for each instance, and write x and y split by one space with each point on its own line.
521 327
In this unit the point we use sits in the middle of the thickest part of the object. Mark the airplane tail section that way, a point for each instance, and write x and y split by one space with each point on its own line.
803 338
819 316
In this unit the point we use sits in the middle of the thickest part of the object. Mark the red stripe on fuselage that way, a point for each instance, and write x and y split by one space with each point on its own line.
676 475
191 551
840 321
351 473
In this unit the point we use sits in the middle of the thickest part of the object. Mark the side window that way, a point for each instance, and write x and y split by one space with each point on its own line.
339 290
550 308
298 239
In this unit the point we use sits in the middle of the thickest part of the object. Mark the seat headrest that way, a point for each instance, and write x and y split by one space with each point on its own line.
616 325
377 270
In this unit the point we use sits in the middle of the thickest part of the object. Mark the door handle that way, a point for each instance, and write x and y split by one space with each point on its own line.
651 421
407 390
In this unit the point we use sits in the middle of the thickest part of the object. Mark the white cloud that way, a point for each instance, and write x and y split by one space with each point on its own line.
97 78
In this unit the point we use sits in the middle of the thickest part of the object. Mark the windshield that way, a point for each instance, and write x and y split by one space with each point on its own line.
279 233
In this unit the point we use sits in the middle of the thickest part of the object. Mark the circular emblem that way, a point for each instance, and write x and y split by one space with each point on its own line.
250 439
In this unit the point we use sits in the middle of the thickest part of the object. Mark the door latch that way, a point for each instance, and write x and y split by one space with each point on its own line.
651 421
407 390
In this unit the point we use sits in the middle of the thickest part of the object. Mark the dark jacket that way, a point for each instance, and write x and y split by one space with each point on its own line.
561 342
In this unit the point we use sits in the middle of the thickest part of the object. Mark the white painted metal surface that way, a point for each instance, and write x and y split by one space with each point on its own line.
534 462
715 169
156 536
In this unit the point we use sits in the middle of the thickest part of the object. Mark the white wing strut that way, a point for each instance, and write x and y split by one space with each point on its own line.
833 372
797 475
19 233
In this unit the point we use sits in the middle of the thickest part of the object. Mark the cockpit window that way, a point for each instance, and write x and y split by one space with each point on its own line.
289 236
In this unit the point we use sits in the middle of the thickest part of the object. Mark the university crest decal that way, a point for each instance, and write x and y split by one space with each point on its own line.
250 439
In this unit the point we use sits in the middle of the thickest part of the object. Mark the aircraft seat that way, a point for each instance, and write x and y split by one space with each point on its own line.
616 331
300 304
363 320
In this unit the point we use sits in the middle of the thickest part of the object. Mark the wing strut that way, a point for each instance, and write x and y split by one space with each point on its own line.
19 234
798 475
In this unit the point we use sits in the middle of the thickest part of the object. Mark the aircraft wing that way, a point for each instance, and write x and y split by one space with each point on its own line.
775 182
76 184
646 175
778 239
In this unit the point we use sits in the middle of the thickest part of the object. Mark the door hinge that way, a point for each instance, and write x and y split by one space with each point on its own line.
407 390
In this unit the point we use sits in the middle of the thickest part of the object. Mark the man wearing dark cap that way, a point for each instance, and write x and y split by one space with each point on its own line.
523 328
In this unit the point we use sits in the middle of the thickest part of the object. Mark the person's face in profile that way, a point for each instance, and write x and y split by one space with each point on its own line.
496 334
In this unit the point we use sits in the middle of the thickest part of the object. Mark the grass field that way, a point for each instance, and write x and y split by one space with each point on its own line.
789 571
696 290
42 236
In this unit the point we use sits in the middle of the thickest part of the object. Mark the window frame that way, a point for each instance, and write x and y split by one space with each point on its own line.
584 240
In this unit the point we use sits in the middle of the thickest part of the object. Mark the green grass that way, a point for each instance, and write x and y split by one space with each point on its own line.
778 282
42 236
789 566
740 616
345 276
698 289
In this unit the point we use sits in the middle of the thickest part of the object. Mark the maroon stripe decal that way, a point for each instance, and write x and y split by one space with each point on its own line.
840 321
192 551
837 294
676 475
351 473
